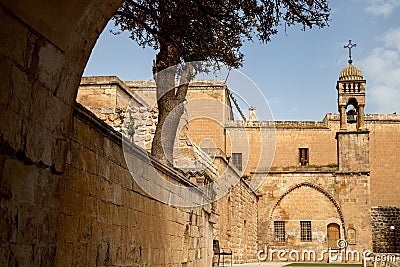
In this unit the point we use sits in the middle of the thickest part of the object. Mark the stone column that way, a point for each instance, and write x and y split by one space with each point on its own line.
343 117
360 117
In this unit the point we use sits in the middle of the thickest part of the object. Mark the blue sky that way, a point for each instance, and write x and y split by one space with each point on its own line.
297 71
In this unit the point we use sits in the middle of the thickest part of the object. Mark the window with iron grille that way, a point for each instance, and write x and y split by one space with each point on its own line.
305 231
303 156
237 160
279 231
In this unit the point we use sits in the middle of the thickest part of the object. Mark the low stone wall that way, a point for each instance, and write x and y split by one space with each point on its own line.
385 239
106 219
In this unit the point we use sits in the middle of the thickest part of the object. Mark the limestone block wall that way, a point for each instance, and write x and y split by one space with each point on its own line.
384 146
103 91
106 219
281 140
237 220
255 140
207 108
277 144
43 50
385 239
112 101
319 196
238 223
320 142
28 213
353 151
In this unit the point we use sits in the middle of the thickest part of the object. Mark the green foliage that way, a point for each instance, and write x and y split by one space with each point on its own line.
312 166
121 114
329 165
129 126
206 31
201 30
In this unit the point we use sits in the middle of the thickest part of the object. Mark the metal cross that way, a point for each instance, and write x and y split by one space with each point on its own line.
350 46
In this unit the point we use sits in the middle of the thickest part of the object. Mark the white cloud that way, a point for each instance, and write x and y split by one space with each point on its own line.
382 70
382 7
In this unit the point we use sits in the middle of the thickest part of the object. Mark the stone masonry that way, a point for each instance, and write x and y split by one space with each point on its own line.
242 228
386 229
106 219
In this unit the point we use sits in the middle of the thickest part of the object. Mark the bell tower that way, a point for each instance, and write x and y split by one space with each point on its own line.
353 142
351 92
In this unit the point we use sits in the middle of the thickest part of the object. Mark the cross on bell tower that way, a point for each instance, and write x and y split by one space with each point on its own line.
350 46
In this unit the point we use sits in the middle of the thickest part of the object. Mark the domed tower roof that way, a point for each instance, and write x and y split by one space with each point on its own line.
351 73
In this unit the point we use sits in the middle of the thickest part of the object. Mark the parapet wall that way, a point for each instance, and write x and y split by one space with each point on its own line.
106 219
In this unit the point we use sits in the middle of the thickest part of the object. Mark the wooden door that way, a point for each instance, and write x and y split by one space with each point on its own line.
333 235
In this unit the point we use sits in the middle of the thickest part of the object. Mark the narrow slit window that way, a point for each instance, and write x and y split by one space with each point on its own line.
305 231
237 160
303 156
279 231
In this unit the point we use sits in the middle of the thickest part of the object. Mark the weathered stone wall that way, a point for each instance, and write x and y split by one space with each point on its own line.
114 102
104 91
353 151
281 141
237 210
238 223
319 137
207 108
384 146
107 219
385 239
28 213
44 47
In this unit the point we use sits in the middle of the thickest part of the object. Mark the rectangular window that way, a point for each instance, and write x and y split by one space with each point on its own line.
305 231
237 160
303 156
279 231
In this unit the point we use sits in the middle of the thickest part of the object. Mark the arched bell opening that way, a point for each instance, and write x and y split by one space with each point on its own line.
352 111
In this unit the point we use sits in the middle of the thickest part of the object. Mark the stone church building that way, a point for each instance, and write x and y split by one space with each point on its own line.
67 197
304 185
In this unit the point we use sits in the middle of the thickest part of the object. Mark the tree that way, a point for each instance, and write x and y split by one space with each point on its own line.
206 31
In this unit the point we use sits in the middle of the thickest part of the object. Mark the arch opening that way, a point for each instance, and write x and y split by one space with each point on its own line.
301 216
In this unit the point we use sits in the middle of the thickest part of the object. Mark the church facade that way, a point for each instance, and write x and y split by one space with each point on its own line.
314 188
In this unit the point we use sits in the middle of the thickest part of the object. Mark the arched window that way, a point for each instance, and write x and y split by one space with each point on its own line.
351 236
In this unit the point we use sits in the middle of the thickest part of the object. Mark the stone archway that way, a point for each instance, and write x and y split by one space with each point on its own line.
44 48
300 204
317 188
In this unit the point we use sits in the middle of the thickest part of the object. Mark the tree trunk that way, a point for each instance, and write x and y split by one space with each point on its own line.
170 103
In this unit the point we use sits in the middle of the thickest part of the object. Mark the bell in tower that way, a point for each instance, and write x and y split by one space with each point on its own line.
351 116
